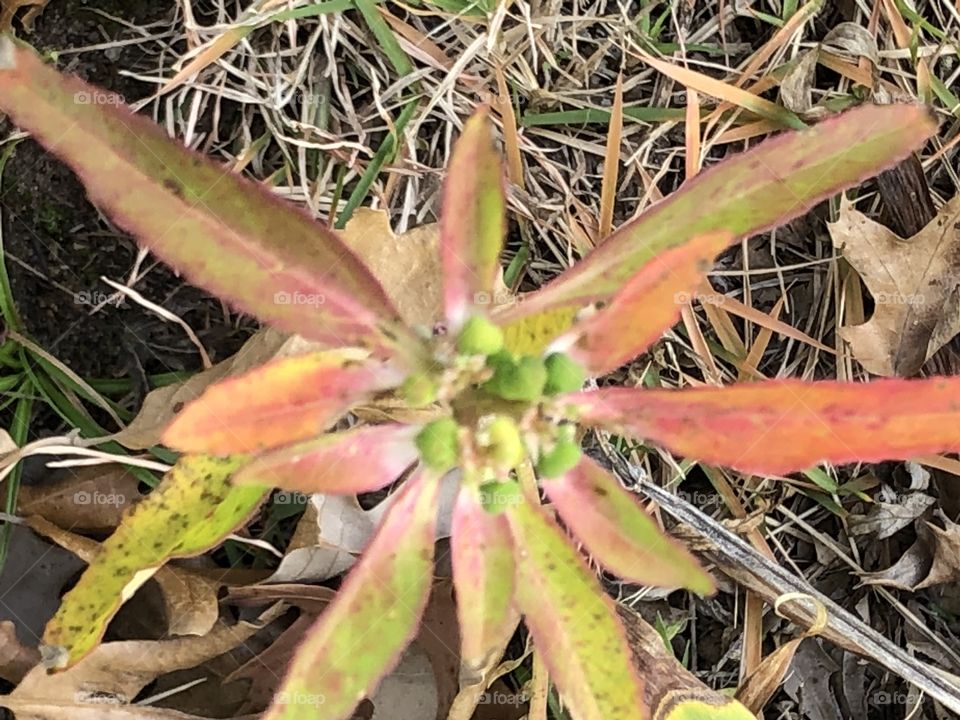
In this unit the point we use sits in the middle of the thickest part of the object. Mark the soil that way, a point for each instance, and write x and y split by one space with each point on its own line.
58 245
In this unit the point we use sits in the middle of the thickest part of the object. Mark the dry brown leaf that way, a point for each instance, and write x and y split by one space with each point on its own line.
16 659
10 8
87 499
116 671
933 559
189 598
885 519
43 710
757 689
909 569
408 265
914 284
946 554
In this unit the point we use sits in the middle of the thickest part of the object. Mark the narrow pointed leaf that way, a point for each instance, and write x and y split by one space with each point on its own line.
362 633
473 222
574 625
192 510
281 402
351 462
647 306
483 574
778 180
225 233
782 426
620 535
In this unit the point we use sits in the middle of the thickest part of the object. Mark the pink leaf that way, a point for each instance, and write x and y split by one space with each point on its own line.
350 462
483 574
362 633
473 222
224 232
647 306
780 179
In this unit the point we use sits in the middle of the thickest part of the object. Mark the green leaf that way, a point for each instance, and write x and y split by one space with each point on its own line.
473 222
362 633
225 233
782 178
191 510
572 622
483 572
621 536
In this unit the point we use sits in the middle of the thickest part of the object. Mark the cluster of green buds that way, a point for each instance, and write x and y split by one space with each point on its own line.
504 395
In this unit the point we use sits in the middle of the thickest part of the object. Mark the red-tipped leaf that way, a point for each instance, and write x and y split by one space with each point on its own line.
573 623
224 232
350 462
781 426
362 633
782 178
647 306
618 534
483 574
282 402
473 221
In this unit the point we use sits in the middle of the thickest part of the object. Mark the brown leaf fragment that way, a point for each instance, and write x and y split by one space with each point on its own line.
946 554
10 8
885 519
86 499
407 265
914 283
909 569
15 658
117 671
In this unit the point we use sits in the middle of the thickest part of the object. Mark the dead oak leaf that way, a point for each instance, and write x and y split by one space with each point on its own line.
946 554
914 284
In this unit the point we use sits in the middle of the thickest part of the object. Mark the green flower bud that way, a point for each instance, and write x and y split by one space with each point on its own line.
564 455
563 374
479 336
521 380
439 444
505 445
419 390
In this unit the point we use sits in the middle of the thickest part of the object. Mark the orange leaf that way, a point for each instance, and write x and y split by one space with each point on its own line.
282 402
647 306
781 426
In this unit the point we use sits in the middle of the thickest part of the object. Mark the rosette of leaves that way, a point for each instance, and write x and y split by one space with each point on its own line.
503 377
